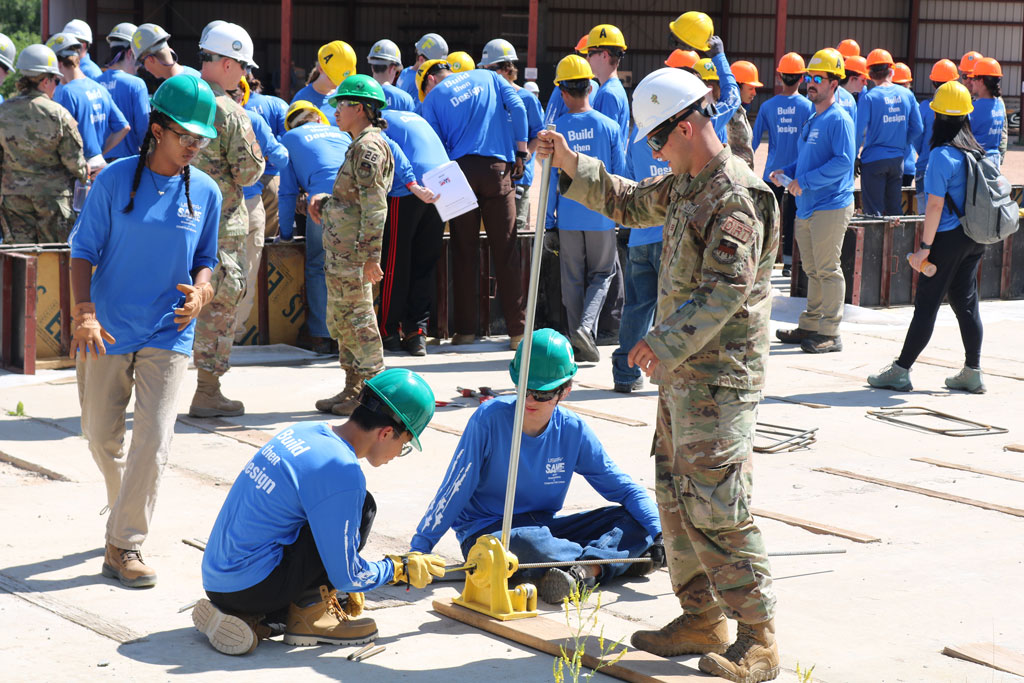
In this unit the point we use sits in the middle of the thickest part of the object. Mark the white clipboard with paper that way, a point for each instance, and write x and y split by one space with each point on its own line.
448 181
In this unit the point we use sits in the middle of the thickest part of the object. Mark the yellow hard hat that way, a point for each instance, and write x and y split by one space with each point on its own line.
460 61
573 68
605 35
705 68
952 99
337 60
828 60
425 67
243 85
298 106
694 29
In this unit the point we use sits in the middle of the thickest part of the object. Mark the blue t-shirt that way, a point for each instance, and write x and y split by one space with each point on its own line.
89 67
534 125
273 151
594 134
466 111
403 170
315 153
142 257
846 100
189 71
273 110
728 97
556 105
611 101
947 174
398 99
924 142
640 165
471 499
310 94
132 98
306 474
92 107
782 117
416 139
824 164
888 121
987 122
407 81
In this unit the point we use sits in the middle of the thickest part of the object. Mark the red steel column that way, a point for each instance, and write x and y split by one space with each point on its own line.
531 41
44 24
781 6
286 50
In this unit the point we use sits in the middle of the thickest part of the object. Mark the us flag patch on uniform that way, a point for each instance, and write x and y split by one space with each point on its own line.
733 227
725 252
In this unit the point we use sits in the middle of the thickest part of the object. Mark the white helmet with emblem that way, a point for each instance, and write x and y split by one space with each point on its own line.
230 40
661 95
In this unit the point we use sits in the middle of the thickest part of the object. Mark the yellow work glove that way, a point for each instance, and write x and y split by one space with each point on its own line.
88 333
195 298
354 606
416 568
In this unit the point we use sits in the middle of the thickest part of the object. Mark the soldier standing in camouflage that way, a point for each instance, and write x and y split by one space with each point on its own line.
353 217
40 155
738 129
233 160
707 352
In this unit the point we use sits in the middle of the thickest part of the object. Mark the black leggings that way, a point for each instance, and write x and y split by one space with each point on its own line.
956 257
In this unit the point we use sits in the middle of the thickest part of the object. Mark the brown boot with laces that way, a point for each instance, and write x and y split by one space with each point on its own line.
351 390
687 634
327 622
127 567
345 407
228 632
754 657
208 401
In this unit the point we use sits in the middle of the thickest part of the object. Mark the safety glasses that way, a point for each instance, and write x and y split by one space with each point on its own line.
543 396
186 140
814 79
350 103
406 450
659 136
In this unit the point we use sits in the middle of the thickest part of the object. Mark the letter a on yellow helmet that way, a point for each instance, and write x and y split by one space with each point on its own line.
338 60
829 60
605 35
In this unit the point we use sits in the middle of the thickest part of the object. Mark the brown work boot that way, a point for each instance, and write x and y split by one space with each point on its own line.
352 388
345 408
230 633
794 336
458 339
752 658
127 567
209 402
688 634
513 341
326 622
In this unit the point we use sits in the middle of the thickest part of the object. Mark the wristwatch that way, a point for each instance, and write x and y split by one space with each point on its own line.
522 155
925 245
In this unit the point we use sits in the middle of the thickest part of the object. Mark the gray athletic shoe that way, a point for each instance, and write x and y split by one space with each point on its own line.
557 584
968 379
892 377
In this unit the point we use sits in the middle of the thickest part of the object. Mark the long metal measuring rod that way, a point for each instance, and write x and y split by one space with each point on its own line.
526 346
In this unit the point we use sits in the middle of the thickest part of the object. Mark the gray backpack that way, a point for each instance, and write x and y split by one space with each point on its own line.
989 214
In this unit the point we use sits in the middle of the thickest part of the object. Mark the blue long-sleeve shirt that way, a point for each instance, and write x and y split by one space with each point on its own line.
888 121
93 108
824 164
315 153
132 98
782 117
640 165
534 125
464 109
611 101
924 141
846 100
89 67
407 81
471 498
417 140
404 174
273 151
728 97
398 99
556 104
987 122
272 109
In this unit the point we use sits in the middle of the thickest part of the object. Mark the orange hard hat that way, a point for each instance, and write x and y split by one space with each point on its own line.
944 71
856 64
849 48
968 61
791 63
746 73
681 59
986 66
879 56
901 73
581 44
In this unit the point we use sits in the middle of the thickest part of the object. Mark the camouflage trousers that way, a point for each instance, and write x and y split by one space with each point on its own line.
350 316
215 327
28 219
253 251
715 552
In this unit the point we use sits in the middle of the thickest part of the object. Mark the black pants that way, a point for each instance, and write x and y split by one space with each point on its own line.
411 248
787 210
956 257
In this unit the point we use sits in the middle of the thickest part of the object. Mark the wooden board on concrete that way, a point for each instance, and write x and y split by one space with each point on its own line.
590 412
91 621
969 468
29 466
216 425
816 527
988 654
444 428
1005 509
547 635
1014 447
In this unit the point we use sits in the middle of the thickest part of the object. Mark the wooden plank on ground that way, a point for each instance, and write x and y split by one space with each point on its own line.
91 621
547 635
806 404
988 654
590 412
1014 447
444 428
833 373
31 467
942 363
1016 512
969 468
816 527
221 427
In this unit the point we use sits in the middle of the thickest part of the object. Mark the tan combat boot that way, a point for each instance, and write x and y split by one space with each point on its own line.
752 658
209 402
325 405
346 407
127 567
232 634
326 622
688 634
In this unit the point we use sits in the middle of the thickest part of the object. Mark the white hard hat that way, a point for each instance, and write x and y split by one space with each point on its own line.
78 29
432 46
7 52
230 40
121 34
64 44
497 51
532 87
148 38
661 95
384 51
212 25
36 60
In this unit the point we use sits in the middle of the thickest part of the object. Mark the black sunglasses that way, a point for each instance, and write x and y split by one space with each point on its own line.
659 136
543 396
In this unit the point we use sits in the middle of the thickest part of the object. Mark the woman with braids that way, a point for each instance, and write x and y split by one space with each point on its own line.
352 217
149 228
944 245
988 120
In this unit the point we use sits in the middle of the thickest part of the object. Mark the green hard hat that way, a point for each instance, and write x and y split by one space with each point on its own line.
551 361
409 397
189 102
359 87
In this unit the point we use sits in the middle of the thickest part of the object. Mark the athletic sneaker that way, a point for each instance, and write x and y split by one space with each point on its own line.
630 387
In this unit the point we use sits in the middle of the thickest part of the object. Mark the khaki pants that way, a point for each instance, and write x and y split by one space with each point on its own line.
104 388
271 185
820 239
253 250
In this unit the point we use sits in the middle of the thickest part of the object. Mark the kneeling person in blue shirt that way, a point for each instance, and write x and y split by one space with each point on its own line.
556 443
289 534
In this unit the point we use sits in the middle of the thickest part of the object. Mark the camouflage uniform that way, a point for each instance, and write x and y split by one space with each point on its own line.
740 136
353 229
40 158
234 160
711 338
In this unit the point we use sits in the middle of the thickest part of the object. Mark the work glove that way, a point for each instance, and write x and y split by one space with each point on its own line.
519 167
416 568
657 551
88 332
715 46
195 298
354 604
